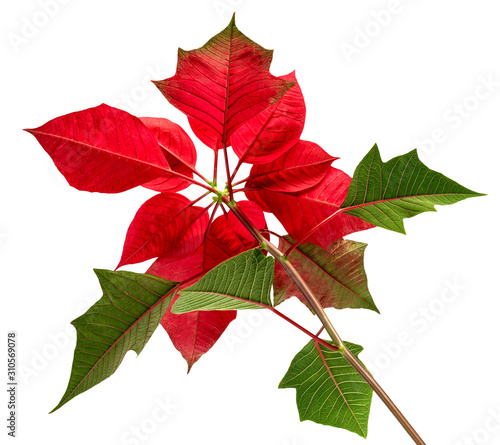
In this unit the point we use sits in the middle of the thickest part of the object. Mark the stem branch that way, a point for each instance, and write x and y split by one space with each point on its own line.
325 321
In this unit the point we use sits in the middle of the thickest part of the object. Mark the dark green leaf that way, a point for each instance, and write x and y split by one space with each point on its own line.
329 390
242 282
385 193
124 319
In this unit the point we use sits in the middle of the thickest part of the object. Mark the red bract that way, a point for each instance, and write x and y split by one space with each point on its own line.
159 227
230 97
273 131
179 151
102 149
223 84
299 169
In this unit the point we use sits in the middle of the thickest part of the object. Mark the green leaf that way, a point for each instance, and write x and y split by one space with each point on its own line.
329 390
384 194
336 275
242 282
124 319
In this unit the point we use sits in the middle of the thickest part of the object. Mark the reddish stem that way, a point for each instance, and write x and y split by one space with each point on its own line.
325 321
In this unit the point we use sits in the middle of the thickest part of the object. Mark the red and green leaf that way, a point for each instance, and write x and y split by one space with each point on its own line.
223 84
336 275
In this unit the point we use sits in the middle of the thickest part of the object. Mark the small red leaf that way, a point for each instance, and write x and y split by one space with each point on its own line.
301 168
254 213
102 149
299 213
194 333
159 227
273 131
228 237
179 152
223 84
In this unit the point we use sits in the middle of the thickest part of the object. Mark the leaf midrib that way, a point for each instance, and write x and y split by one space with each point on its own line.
113 345
100 149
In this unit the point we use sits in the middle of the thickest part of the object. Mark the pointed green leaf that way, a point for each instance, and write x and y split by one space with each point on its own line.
385 193
242 282
124 319
336 275
329 390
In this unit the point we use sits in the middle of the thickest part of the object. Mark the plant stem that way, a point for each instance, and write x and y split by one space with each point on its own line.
355 363
216 164
325 321
191 180
228 174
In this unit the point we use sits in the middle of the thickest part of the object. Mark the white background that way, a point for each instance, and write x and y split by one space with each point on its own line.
400 85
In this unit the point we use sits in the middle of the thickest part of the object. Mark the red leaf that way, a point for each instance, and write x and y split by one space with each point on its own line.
223 84
179 152
228 237
299 169
272 132
102 149
254 213
159 227
178 268
299 213
194 333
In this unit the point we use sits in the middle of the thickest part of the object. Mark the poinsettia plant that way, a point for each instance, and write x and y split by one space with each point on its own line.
213 260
